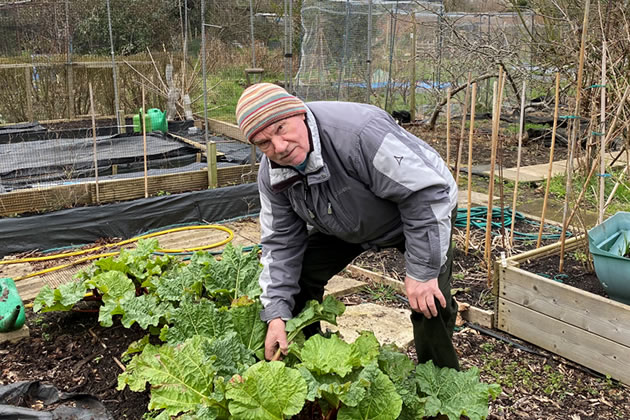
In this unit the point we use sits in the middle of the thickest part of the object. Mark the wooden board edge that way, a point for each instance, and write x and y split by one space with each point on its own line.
608 357
600 315
399 286
481 317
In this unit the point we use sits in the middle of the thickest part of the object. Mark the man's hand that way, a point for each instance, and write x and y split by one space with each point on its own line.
276 338
422 296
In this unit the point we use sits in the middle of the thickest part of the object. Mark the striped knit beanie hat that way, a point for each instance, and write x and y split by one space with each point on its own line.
263 104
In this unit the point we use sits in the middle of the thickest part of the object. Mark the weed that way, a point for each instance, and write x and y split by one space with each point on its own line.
459 276
487 347
581 256
381 293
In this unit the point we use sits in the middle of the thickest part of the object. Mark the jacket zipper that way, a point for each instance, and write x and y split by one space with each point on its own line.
306 199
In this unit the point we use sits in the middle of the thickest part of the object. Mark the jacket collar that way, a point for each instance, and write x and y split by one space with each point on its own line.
316 171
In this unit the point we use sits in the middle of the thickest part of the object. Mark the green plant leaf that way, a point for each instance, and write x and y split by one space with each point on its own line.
62 298
247 323
145 310
329 355
366 347
197 318
381 402
267 391
237 271
453 393
179 282
181 377
313 312
232 357
113 284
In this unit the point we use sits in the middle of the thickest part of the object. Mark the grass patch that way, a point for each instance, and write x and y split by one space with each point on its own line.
620 202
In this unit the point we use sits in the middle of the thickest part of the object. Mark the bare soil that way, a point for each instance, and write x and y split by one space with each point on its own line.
536 384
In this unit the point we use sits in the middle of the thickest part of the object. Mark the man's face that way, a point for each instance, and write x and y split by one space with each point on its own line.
285 142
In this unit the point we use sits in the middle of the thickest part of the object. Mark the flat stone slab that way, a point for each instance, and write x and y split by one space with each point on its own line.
389 325
14 336
342 286
536 173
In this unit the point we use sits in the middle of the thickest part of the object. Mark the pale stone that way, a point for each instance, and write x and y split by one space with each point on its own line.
343 286
14 336
389 325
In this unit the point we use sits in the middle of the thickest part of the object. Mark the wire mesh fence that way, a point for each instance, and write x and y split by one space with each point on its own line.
396 54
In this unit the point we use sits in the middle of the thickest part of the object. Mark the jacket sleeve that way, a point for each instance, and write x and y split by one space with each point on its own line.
402 168
283 240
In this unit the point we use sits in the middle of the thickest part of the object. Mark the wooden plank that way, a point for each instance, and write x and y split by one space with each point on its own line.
65 196
399 286
194 144
584 310
473 314
226 129
44 199
481 317
595 352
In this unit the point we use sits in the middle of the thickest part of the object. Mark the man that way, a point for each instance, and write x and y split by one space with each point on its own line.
338 179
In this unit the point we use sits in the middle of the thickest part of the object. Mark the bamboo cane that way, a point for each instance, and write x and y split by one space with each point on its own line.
460 140
493 157
491 181
602 130
518 164
93 113
144 146
470 152
594 164
448 127
574 132
496 115
553 142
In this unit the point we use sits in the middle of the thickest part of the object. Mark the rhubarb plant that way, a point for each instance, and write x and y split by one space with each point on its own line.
205 359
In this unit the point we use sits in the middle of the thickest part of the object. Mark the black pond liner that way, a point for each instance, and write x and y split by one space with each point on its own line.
79 226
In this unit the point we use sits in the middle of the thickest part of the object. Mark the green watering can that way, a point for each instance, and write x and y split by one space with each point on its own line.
12 315
154 119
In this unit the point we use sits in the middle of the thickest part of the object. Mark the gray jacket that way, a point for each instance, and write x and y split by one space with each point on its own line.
367 181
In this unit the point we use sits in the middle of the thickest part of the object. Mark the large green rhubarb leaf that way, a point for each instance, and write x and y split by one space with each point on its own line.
313 312
329 355
454 393
399 368
62 298
146 310
181 377
247 323
197 318
232 357
178 283
236 271
381 402
115 287
267 391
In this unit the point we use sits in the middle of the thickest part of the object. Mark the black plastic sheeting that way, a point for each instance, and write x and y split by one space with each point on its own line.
125 220
53 159
15 131
75 406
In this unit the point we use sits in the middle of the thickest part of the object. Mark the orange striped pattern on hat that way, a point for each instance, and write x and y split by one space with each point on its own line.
262 104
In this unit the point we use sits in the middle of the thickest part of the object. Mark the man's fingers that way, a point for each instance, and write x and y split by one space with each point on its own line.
441 299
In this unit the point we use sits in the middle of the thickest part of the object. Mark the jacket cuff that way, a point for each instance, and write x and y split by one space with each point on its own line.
276 310
423 274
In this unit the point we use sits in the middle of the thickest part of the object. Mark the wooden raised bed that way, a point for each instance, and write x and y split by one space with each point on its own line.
583 327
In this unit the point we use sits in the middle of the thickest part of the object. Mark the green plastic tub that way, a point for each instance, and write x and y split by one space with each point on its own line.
608 243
